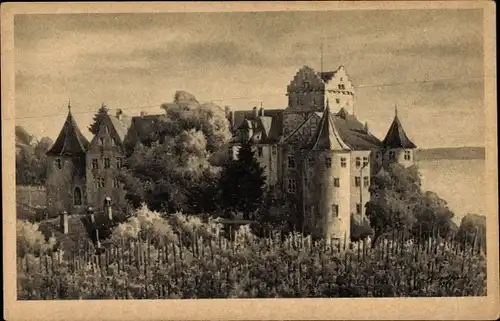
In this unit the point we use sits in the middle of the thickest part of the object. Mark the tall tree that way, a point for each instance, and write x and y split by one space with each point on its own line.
242 183
174 173
101 112
398 203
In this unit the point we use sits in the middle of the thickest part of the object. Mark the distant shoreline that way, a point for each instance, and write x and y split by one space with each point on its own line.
455 153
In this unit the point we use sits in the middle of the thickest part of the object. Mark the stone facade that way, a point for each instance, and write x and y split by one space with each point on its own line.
321 153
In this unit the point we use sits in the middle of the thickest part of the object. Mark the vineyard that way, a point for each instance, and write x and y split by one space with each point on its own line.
192 265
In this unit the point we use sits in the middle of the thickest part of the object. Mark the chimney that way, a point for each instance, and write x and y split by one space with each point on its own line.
63 221
227 110
90 212
255 112
119 114
366 127
143 113
231 118
107 208
261 111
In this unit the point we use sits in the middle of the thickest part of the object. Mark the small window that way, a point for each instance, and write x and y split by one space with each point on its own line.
358 208
366 181
341 86
259 151
357 181
292 185
392 155
337 100
328 162
307 85
365 161
95 163
336 182
291 161
100 182
341 78
274 150
107 163
407 155
115 183
310 161
77 196
358 162
343 162
58 163
119 162
335 210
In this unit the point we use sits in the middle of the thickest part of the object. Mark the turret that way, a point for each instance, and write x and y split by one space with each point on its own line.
66 169
331 176
398 147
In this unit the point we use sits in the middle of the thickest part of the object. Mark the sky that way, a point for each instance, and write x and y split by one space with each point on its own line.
138 61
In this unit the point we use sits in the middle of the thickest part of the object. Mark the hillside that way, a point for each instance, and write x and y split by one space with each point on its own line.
450 153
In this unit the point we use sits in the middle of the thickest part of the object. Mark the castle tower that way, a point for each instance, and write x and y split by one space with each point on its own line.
331 179
398 147
66 170
339 90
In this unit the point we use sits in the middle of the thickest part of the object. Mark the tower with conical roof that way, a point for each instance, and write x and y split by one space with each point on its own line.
66 169
328 194
397 146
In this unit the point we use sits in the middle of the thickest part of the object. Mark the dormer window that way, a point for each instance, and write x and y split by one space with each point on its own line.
307 85
259 151
341 86
407 155
95 163
337 100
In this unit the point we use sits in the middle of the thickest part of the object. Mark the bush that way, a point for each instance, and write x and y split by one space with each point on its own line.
30 240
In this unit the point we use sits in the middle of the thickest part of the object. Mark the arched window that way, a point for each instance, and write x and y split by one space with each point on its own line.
77 196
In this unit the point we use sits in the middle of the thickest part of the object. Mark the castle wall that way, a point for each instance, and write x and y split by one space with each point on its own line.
306 91
61 183
340 92
360 195
103 182
330 191
405 157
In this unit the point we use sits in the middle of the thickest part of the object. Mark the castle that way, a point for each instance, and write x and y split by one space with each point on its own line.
315 149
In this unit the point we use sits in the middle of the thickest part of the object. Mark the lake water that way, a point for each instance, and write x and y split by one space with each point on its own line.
460 182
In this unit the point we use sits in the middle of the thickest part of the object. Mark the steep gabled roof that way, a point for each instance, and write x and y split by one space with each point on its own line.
121 125
396 136
70 140
328 137
354 134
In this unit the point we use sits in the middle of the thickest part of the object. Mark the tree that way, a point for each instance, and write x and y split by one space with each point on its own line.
242 183
398 203
432 217
31 163
172 172
97 120
29 239
472 231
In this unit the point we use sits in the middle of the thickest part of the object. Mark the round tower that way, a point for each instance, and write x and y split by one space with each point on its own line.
332 182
